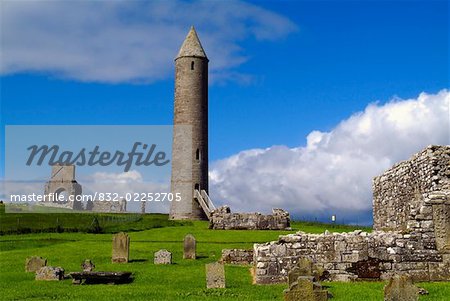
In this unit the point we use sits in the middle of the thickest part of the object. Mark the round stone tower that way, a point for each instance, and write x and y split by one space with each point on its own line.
190 139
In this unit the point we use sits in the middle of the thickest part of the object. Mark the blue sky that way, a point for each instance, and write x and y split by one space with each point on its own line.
279 69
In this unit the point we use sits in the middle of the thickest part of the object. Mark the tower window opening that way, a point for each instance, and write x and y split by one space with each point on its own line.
197 155
197 187
192 65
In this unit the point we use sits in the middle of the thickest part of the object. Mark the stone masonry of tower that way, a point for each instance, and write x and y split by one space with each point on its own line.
190 139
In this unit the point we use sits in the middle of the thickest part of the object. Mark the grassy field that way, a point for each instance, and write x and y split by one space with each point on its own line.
184 280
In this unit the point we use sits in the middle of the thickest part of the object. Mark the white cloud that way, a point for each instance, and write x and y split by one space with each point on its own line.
117 178
129 185
127 41
333 172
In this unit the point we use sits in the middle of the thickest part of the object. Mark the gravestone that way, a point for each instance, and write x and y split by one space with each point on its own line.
50 273
303 268
33 264
401 288
162 257
215 275
189 247
301 289
87 266
302 285
120 248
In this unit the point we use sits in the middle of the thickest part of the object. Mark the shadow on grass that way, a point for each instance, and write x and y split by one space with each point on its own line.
138 260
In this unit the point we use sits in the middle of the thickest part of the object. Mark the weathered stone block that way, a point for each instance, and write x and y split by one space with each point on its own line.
304 289
401 288
301 290
237 256
33 264
162 257
87 266
215 275
50 273
189 247
120 248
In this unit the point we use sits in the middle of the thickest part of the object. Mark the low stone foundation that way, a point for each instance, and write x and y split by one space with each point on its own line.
237 256
348 256
107 206
223 219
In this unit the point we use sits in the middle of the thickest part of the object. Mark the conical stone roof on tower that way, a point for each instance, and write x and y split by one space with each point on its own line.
191 46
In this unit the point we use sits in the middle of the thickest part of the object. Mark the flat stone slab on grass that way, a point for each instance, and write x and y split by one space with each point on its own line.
50 273
33 264
101 277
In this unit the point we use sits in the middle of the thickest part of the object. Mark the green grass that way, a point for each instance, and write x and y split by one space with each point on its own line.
184 280
22 223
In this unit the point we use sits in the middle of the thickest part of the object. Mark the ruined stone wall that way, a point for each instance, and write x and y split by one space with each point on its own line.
107 206
237 256
398 194
348 256
63 180
411 202
223 219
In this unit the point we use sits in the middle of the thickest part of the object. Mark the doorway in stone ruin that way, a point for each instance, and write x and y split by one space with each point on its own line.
61 196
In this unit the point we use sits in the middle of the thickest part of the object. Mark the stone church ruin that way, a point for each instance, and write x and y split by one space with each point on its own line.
63 191
63 186
411 203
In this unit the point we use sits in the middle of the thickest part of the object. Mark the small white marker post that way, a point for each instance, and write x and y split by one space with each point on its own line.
333 219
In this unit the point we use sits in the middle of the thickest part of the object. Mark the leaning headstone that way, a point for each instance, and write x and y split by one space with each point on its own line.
50 273
189 247
120 248
162 257
87 265
305 289
304 267
301 284
302 289
32 264
215 275
401 288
